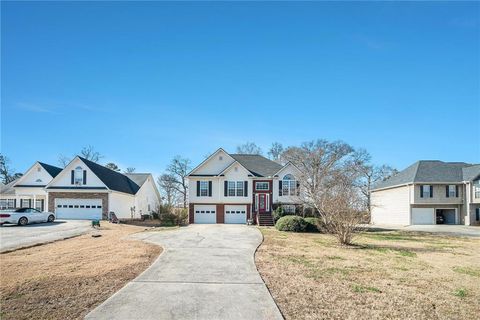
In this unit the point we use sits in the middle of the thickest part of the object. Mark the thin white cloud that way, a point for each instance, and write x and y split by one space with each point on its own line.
36 108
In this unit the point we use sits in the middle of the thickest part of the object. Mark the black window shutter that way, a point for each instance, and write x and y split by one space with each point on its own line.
280 187
29 203
198 188
246 188
72 176
456 191
225 189
298 188
209 188
431 191
14 203
446 191
421 191
84 176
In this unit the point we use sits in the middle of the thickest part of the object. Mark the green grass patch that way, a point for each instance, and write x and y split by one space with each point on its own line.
362 289
406 253
474 272
300 260
461 293
390 236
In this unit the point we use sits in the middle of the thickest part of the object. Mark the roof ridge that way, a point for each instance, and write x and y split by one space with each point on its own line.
90 163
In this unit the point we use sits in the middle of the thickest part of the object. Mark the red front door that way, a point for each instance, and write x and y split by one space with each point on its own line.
261 202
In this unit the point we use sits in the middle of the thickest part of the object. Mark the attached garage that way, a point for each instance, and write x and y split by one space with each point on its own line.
423 216
81 209
236 214
205 214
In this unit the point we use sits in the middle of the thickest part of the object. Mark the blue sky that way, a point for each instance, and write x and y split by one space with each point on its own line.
142 82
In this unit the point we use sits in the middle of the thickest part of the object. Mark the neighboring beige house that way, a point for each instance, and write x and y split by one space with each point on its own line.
429 192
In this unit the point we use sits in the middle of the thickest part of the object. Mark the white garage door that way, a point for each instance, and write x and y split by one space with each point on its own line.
422 216
82 209
236 214
205 214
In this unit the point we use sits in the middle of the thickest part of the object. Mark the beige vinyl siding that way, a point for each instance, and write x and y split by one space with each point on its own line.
391 206
439 195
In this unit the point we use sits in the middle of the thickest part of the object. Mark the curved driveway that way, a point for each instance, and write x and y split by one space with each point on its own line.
204 272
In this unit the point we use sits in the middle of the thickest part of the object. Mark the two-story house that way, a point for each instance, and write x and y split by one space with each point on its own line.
231 188
429 192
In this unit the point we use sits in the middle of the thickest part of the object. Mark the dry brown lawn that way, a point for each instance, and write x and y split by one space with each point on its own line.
67 279
388 275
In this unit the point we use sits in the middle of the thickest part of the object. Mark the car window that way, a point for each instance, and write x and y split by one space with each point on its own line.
35 210
21 210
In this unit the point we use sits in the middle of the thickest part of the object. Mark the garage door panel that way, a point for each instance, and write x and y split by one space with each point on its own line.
236 214
81 209
423 216
205 214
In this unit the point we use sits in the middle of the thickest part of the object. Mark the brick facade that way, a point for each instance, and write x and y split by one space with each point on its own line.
79 195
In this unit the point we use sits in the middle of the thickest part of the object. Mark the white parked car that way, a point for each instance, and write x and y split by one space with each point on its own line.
25 216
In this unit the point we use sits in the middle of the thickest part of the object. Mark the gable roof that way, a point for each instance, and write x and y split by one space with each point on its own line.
258 165
52 170
138 178
430 171
7 188
112 179
471 173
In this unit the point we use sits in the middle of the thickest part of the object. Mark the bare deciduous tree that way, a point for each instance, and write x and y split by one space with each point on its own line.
342 205
87 152
275 151
325 167
249 148
179 169
63 160
112 166
7 174
168 187
130 170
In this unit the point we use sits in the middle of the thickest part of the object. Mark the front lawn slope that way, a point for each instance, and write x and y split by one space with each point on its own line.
387 275
67 279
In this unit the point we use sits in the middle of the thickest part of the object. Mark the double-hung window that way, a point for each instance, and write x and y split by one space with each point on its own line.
7 204
204 188
476 187
231 188
235 189
426 191
452 191
239 188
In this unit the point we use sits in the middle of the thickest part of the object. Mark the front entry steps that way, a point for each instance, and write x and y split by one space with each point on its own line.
265 219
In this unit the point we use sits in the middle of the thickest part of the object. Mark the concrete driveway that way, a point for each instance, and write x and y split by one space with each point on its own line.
204 272
443 229
15 237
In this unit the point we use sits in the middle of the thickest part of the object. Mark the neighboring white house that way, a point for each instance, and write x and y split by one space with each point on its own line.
82 190
29 191
429 192
231 188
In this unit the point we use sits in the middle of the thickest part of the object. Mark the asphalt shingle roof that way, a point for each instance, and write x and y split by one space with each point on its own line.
7 188
432 171
52 170
113 180
257 164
